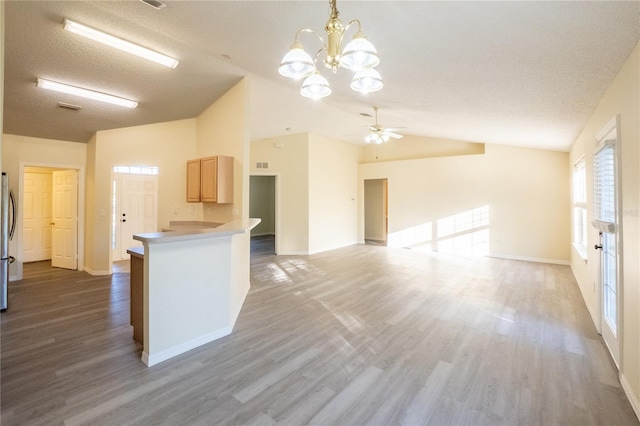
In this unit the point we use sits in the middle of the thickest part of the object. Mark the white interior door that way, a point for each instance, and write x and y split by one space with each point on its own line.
65 219
37 217
606 220
138 210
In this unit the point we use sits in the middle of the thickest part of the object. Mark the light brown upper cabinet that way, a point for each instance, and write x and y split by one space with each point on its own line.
210 180
193 181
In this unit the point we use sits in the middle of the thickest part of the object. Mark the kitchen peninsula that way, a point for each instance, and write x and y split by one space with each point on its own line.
195 282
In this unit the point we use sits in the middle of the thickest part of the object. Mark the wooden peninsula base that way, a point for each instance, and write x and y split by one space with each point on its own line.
136 292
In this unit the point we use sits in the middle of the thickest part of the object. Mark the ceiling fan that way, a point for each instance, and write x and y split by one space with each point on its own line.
379 134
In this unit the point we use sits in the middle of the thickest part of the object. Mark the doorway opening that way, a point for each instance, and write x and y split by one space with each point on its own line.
51 216
376 206
263 204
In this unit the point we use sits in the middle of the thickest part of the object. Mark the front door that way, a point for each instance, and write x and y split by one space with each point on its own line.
65 220
138 210
606 211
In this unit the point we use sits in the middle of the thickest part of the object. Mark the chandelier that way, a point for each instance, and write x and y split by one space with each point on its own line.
359 55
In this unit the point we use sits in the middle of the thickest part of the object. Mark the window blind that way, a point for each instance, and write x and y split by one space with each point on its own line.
604 196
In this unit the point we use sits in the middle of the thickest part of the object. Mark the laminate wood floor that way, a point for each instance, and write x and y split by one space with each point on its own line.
359 335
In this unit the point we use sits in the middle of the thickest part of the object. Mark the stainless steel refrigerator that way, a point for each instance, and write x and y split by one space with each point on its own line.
7 228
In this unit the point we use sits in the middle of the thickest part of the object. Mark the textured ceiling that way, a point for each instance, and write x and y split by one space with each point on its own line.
518 73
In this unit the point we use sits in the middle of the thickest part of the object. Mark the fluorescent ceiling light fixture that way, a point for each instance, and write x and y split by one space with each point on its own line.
85 93
118 43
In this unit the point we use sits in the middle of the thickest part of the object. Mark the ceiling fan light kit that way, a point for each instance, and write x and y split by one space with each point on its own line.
359 55
376 138
378 134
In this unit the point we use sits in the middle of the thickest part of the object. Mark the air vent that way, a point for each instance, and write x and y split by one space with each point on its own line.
262 165
154 4
69 106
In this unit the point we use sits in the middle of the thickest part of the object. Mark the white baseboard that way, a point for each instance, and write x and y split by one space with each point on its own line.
168 353
92 272
292 253
531 259
336 247
633 399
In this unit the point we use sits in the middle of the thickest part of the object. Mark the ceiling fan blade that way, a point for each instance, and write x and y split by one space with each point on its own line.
393 135
393 129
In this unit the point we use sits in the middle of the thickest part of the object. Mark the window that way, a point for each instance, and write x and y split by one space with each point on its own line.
136 170
579 189
604 196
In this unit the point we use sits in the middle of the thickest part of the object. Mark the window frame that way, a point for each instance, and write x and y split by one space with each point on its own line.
579 206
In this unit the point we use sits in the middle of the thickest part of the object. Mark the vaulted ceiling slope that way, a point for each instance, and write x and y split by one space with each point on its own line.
519 73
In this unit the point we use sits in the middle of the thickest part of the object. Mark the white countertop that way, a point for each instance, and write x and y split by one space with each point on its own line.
237 226
136 251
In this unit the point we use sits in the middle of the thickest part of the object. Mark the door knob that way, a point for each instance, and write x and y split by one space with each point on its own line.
52 223
598 246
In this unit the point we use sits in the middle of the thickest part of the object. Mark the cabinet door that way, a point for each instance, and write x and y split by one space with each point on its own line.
225 180
209 179
193 181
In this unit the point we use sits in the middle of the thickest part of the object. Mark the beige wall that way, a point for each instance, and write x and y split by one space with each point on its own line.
92 245
290 163
333 191
223 129
24 150
414 147
525 191
621 98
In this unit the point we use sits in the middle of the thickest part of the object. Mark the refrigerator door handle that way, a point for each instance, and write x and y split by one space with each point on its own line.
12 201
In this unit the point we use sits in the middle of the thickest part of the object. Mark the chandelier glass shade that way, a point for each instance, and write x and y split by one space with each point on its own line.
359 55
366 81
315 87
297 63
